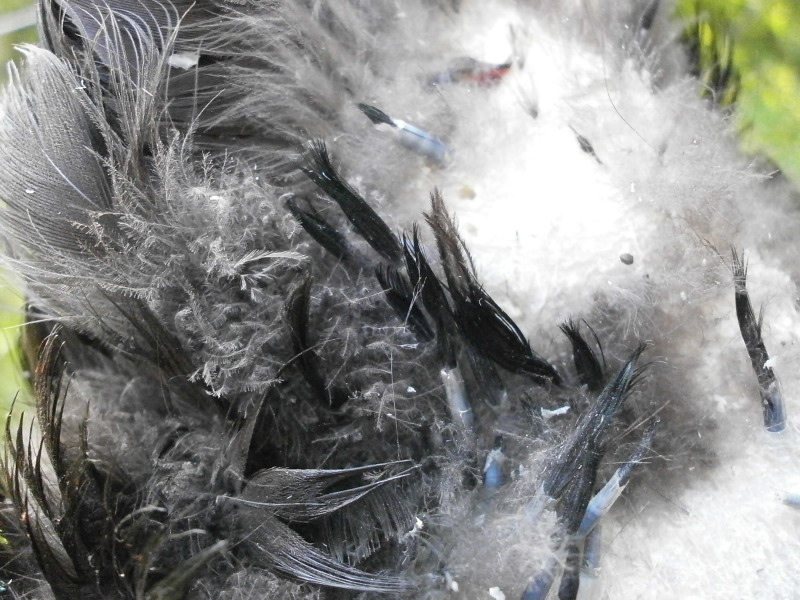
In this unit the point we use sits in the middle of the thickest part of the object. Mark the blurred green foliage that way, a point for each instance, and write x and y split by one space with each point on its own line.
758 42
11 380
10 13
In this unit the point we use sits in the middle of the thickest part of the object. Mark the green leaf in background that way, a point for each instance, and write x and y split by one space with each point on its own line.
12 384
14 14
758 40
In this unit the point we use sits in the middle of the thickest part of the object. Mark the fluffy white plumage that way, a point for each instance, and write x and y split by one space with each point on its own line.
146 172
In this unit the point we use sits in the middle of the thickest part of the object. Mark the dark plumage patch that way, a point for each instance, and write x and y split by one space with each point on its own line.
649 14
377 116
485 326
570 478
363 217
433 295
590 371
297 315
405 300
325 234
590 436
587 147
750 328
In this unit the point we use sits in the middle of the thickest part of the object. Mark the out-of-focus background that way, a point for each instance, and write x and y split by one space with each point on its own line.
16 27
753 46
746 54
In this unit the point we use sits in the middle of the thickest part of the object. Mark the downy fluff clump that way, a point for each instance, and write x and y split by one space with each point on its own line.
345 298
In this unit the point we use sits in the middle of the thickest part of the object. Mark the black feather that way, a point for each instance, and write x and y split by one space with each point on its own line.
750 328
405 300
363 217
570 579
301 495
297 314
590 371
589 439
587 147
485 325
649 14
376 115
325 234
486 375
433 296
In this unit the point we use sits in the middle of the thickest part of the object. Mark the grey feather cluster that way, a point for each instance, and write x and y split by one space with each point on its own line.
253 378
